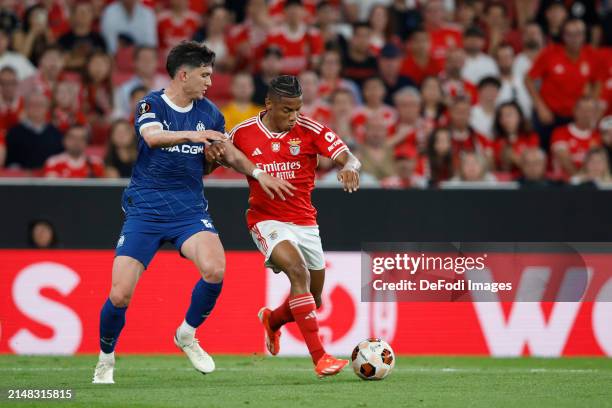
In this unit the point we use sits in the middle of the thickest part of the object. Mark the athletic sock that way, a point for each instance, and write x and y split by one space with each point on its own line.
185 333
112 320
203 299
303 309
281 315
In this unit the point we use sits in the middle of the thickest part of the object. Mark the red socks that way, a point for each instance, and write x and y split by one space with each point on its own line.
303 310
281 315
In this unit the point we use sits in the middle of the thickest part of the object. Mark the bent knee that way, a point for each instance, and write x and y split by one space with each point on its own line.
213 273
298 273
120 297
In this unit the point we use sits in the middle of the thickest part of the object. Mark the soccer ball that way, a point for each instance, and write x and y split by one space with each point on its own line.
373 359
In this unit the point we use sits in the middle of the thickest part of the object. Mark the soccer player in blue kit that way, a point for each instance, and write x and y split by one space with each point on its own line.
164 201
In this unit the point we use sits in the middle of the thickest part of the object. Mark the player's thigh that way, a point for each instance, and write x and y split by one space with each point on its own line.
205 250
317 281
126 272
287 257
309 242
268 234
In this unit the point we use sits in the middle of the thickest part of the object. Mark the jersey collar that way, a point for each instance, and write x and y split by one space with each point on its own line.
176 107
268 133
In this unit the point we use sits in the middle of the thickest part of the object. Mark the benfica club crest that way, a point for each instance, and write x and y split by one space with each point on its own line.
276 147
294 146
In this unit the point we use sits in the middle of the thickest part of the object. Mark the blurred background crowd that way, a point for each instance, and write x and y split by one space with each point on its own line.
427 93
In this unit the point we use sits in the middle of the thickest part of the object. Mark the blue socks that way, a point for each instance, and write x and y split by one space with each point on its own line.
203 299
112 320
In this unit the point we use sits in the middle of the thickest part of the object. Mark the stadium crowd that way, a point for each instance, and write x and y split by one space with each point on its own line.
427 93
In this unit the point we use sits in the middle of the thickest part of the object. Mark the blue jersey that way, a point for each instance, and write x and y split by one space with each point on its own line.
166 183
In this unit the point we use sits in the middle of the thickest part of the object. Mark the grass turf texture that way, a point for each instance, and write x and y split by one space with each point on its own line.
255 381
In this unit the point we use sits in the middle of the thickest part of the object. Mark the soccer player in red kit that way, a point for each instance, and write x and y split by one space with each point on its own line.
284 143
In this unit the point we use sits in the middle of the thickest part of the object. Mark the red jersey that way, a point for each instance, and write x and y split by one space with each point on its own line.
318 111
10 113
459 88
564 80
64 166
444 38
606 75
518 146
276 8
418 73
363 113
172 30
297 47
291 156
577 142
469 141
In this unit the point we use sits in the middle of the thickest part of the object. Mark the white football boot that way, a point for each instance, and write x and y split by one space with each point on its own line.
200 359
104 369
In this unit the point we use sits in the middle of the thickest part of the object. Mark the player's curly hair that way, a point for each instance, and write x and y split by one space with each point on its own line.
285 85
190 54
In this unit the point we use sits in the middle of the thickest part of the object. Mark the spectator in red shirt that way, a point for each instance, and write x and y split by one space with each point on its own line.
570 143
499 27
512 137
463 137
300 44
11 103
342 103
74 162
246 42
418 62
567 72
374 96
50 71
97 97
175 24
65 107
379 21
444 36
453 84
408 130
406 175
313 106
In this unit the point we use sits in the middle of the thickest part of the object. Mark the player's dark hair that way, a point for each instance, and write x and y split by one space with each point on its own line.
189 54
286 86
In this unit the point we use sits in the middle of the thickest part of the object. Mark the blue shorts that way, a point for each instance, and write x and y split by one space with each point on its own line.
140 239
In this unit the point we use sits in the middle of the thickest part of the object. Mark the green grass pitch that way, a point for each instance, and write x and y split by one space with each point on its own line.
256 381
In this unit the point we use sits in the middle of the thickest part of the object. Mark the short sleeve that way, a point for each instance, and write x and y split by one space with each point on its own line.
329 144
148 113
219 122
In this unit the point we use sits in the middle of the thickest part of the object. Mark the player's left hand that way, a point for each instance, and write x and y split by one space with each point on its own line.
349 179
215 152
272 185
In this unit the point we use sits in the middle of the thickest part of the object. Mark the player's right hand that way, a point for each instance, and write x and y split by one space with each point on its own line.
207 137
271 185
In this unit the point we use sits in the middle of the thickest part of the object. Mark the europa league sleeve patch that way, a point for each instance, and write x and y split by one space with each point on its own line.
144 108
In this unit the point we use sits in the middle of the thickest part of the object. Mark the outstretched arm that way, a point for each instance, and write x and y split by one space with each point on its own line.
155 136
349 173
227 153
